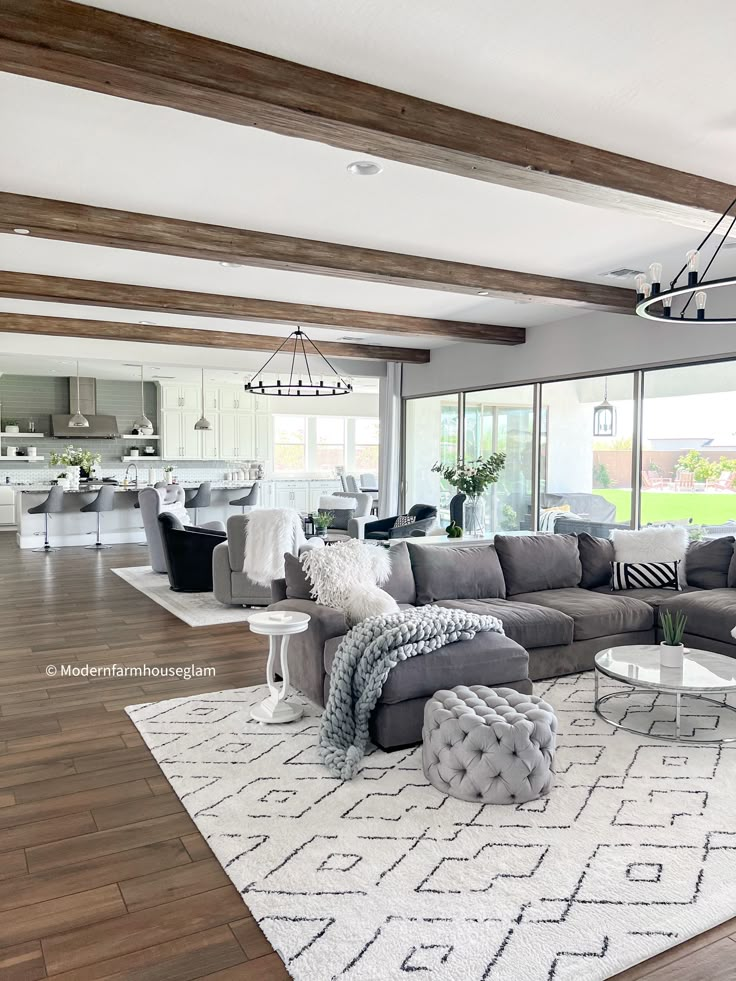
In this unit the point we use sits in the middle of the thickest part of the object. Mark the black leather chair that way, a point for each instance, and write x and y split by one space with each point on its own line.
188 554
385 528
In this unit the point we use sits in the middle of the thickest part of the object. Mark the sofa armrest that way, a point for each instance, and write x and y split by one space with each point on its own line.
221 574
357 526
380 524
278 590
416 529
307 650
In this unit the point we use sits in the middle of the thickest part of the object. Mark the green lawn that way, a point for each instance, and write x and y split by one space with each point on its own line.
704 509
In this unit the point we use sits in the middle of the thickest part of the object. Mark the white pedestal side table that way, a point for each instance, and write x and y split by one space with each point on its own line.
279 623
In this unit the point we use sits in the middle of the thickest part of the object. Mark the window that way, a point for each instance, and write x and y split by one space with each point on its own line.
502 421
589 476
431 435
330 443
689 448
365 454
289 443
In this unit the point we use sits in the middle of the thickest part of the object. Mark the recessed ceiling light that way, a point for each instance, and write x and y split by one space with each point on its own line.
22 231
484 292
364 168
231 265
353 339
623 273
147 323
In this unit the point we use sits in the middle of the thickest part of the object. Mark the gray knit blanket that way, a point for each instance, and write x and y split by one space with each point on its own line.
362 664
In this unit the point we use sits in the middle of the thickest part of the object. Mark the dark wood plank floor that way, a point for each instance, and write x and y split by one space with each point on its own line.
102 873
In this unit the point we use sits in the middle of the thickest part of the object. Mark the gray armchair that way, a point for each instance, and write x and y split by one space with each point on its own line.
231 585
362 513
384 529
154 501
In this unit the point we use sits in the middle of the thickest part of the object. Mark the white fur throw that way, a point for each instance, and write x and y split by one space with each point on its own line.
329 503
347 576
667 543
268 535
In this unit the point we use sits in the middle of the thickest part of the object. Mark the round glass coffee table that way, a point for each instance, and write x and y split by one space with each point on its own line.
703 674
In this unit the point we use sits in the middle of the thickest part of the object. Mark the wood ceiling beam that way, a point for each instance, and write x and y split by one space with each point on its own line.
67 221
13 323
78 45
122 296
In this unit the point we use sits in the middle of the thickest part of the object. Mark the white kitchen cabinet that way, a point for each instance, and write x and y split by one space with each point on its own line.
292 494
179 437
233 397
211 400
210 442
236 435
180 397
320 488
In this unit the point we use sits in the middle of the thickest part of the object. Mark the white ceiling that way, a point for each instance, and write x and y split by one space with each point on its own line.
616 80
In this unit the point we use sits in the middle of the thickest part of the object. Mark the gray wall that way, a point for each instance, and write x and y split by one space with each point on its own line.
38 397
588 344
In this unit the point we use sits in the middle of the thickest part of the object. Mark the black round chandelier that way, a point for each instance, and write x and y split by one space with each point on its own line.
654 303
300 380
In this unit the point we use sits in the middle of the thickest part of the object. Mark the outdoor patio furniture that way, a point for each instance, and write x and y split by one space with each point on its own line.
684 481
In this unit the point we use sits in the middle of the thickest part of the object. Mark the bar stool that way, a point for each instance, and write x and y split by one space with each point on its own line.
198 497
250 500
352 483
137 505
53 504
104 501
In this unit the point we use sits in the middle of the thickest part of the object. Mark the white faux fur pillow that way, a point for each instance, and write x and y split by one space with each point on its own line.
666 543
368 601
329 503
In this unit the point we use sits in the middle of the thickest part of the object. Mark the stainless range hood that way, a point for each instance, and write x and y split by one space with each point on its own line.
100 427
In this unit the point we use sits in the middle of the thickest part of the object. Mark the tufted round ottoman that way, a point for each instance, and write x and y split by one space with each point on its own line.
489 746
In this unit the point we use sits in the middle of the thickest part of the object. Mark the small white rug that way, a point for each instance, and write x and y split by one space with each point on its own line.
196 609
633 852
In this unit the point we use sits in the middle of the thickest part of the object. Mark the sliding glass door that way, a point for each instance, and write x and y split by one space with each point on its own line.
502 421
430 436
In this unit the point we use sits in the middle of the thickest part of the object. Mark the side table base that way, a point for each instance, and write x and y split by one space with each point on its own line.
273 710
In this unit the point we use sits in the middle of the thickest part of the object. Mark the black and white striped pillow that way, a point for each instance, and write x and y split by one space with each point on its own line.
644 575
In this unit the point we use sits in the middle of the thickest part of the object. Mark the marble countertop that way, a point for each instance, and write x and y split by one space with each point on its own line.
119 488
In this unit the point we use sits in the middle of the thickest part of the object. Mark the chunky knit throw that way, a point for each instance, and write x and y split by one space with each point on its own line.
362 663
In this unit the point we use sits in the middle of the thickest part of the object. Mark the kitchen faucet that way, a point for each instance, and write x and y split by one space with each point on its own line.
135 467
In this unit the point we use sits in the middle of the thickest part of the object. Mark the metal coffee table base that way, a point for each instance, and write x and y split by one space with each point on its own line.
679 695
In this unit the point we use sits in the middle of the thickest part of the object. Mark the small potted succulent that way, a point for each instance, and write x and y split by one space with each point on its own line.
11 426
322 521
671 647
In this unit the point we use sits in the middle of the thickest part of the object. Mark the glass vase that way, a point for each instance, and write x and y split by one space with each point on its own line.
474 516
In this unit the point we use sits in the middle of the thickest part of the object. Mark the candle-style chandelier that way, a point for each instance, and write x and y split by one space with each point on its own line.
654 303
299 380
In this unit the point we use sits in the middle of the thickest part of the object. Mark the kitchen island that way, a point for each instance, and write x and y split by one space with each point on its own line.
124 524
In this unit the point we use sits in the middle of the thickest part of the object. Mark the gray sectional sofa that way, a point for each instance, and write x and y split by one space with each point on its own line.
553 595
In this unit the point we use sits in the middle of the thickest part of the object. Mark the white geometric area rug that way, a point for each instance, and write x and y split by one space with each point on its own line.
195 609
633 852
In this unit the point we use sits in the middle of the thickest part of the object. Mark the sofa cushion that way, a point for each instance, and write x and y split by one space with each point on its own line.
711 613
596 556
443 572
535 562
732 572
707 562
487 659
530 626
654 597
595 614
400 583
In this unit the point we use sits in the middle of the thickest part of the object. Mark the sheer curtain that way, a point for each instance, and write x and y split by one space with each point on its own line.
389 453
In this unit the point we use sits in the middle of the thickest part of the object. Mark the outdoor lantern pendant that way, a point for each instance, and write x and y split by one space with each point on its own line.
604 416
299 380
203 422
78 421
654 303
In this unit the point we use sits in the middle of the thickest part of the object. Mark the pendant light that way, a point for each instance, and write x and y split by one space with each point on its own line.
604 416
300 380
203 422
78 421
143 424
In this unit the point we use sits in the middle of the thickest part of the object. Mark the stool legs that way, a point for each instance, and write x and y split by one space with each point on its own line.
46 546
98 544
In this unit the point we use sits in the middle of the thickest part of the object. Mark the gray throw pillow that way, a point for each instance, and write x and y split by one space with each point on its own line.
297 584
707 563
532 563
400 584
340 517
444 572
596 556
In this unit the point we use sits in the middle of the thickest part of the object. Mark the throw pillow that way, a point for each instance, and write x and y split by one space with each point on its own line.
708 562
368 601
532 563
644 575
667 543
340 517
596 556
443 572
404 519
